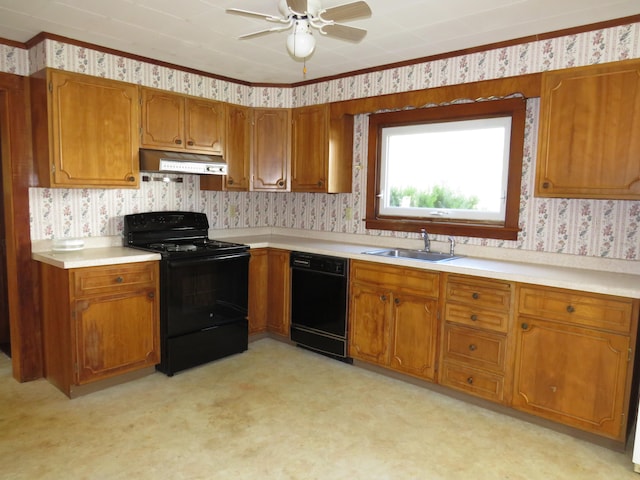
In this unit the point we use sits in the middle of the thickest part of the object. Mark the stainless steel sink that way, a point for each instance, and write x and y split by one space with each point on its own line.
412 254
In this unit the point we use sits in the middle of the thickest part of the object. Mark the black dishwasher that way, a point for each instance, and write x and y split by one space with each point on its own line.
319 290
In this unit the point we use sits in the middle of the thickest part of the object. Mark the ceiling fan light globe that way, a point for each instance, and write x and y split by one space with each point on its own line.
301 45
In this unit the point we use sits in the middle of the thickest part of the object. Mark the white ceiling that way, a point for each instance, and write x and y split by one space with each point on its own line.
200 35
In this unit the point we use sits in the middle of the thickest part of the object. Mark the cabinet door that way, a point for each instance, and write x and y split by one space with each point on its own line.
413 344
162 120
369 317
258 290
115 334
94 131
309 149
573 375
279 284
204 126
237 150
585 146
270 150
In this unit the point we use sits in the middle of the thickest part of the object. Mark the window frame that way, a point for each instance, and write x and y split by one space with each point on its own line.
507 230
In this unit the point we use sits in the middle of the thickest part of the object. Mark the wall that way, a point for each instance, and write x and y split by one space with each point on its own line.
579 227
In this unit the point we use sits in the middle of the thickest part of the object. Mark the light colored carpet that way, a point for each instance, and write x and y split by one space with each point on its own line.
278 412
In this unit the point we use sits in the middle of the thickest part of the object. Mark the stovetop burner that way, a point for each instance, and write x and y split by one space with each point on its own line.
175 235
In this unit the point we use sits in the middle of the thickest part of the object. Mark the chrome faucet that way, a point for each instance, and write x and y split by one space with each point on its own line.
425 237
452 246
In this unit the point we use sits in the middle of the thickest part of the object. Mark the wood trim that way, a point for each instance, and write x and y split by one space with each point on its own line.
481 48
22 275
527 85
491 46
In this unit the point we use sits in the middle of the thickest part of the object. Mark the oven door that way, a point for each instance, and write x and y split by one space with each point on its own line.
204 292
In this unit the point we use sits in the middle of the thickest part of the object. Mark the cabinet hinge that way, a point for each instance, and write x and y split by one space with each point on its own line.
50 87
629 357
53 168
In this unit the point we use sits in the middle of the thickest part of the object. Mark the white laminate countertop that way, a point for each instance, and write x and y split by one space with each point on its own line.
594 281
93 257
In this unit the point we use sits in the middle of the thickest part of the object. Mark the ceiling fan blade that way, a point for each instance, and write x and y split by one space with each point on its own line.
262 32
348 11
248 13
344 32
298 6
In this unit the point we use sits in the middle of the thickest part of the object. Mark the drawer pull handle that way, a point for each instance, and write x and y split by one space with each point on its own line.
474 318
525 326
473 347
570 309
119 280
470 380
475 295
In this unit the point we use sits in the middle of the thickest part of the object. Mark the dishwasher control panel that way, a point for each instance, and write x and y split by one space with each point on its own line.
319 263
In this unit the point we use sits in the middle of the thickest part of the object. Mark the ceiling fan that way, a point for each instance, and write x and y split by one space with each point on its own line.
305 15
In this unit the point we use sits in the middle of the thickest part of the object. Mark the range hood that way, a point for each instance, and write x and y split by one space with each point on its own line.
178 162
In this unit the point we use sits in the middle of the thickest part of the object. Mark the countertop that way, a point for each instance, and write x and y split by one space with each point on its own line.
595 281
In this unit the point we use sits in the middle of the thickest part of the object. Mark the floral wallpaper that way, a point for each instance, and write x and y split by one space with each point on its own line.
598 228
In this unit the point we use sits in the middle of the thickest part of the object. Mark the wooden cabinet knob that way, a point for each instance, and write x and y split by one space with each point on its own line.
396 301
119 280
190 143
475 295
473 347
470 380
151 295
525 326
131 179
545 185
570 309
178 141
281 183
383 298
474 318
229 181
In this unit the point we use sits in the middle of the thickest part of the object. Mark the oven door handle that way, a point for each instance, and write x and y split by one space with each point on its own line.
200 260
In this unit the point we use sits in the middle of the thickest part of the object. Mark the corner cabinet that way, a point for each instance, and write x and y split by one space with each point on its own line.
586 148
85 130
269 287
99 323
181 123
270 150
393 317
321 150
574 358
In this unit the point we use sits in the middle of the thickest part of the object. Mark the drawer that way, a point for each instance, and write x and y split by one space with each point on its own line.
474 347
478 292
98 280
497 320
477 382
592 310
415 280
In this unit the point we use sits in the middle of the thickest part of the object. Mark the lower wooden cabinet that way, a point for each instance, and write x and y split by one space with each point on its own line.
574 358
476 343
99 322
269 286
393 317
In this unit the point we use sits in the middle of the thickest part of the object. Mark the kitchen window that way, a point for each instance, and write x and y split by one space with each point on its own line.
451 169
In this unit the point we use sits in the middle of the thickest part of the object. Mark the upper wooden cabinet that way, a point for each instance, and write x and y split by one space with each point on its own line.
85 130
587 146
178 122
270 150
321 150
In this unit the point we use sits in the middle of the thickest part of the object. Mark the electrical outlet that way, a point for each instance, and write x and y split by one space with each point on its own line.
232 210
348 213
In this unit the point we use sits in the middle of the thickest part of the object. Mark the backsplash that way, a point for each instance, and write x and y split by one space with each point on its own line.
595 228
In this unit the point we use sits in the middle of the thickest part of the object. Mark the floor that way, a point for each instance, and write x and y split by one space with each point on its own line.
278 412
